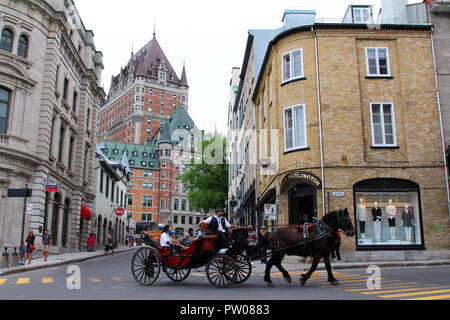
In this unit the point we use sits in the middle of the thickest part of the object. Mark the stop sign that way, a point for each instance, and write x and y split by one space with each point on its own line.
119 211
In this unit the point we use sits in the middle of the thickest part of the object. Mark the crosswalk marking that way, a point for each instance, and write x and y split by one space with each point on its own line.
2 281
23 281
399 290
47 280
95 279
413 294
447 296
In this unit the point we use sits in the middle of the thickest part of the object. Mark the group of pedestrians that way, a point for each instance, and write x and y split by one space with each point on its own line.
30 247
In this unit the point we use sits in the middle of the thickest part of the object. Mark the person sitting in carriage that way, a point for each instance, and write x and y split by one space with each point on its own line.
218 225
166 241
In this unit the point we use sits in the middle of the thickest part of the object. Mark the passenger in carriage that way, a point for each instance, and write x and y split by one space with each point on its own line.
165 240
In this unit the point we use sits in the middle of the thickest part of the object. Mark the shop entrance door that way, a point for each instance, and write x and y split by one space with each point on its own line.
302 204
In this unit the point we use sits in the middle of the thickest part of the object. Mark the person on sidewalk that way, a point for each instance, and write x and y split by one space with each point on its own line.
46 244
109 245
30 245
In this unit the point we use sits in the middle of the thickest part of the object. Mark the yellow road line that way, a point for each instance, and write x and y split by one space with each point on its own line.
2 281
95 279
401 290
413 294
447 296
115 278
23 281
197 274
47 280
383 288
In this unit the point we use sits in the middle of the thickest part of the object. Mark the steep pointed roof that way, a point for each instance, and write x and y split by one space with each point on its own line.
179 119
183 77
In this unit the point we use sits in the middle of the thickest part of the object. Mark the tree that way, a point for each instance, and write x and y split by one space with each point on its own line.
206 181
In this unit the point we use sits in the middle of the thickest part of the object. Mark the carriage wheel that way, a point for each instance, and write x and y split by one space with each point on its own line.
177 275
146 266
221 270
244 268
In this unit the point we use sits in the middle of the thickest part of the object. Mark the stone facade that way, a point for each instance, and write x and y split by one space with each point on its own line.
337 93
54 91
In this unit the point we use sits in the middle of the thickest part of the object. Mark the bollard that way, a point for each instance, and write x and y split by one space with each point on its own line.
4 262
14 258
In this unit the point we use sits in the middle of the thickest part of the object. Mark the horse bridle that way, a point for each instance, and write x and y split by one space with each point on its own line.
343 220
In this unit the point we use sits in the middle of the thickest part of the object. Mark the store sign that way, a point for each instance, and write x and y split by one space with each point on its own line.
270 212
305 176
51 188
338 194
119 211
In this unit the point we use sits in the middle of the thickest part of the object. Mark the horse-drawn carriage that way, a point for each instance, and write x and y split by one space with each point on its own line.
222 269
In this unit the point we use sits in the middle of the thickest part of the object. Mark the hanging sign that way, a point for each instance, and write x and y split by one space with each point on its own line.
119 211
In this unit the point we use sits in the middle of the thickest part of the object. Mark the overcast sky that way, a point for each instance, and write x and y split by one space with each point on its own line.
210 36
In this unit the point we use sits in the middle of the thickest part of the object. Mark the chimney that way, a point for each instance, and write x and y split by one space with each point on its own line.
295 18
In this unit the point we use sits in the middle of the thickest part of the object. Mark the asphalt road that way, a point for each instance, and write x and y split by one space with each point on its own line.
109 278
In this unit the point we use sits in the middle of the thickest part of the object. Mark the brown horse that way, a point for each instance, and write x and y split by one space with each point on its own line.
290 241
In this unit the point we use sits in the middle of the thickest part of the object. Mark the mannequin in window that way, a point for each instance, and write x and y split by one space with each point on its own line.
376 214
407 222
391 210
361 216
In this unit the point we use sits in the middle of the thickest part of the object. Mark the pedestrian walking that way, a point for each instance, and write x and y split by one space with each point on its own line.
46 244
109 245
30 245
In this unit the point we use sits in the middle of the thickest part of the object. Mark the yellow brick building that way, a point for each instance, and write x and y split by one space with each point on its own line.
348 112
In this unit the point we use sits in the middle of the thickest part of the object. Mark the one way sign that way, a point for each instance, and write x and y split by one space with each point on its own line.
270 211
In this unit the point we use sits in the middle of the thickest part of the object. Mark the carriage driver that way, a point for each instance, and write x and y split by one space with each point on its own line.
219 225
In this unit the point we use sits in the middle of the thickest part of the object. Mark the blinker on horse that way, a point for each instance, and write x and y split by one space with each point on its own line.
319 244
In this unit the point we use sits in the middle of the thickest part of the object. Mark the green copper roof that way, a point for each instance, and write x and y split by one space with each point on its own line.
180 119
139 156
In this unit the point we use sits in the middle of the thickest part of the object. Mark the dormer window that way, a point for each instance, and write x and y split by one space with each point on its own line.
143 163
132 162
115 151
135 153
105 151
144 154
361 14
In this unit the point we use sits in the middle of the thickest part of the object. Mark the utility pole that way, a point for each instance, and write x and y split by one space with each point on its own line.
22 248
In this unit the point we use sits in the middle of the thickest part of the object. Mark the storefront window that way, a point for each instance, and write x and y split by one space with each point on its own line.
387 218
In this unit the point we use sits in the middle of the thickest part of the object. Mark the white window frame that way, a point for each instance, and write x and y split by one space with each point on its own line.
378 74
291 66
361 9
305 131
394 133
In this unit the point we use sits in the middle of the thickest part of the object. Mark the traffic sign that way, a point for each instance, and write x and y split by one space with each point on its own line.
51 188
119 211
270 212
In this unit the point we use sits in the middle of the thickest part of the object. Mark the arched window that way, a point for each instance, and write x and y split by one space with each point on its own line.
183 205
22 48
4 106
6 42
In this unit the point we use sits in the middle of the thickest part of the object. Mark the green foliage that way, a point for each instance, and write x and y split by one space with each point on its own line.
206 179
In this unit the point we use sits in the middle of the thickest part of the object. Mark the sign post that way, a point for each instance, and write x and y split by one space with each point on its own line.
270 212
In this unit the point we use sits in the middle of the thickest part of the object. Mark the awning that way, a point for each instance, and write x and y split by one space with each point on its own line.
85 212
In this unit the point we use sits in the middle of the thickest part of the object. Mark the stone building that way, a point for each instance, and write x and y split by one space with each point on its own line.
112 184
50 75
358 120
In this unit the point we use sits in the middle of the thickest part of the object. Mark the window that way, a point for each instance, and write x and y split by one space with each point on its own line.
163 203
147 201
295 128
183 219
270 90
74 103
62 131
6 42
383 124
183 205
107 187
163 94
162 111
22 48
4 107
130 200
144 185
377 60
101 181
149 109
191 220
163 164
197 220
175 204
395 206
143 163
163 186
361 15
163 175
293 65
66 88
175 219
71 143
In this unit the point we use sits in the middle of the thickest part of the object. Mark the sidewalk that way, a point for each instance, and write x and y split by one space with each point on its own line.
60 259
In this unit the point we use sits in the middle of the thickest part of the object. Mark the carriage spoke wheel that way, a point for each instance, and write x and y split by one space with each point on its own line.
221 271
146 266
243 268
177 275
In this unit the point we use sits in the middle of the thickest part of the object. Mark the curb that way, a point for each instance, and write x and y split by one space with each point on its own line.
56 264
379 264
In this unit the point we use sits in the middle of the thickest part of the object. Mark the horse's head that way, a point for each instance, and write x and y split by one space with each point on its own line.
345 223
